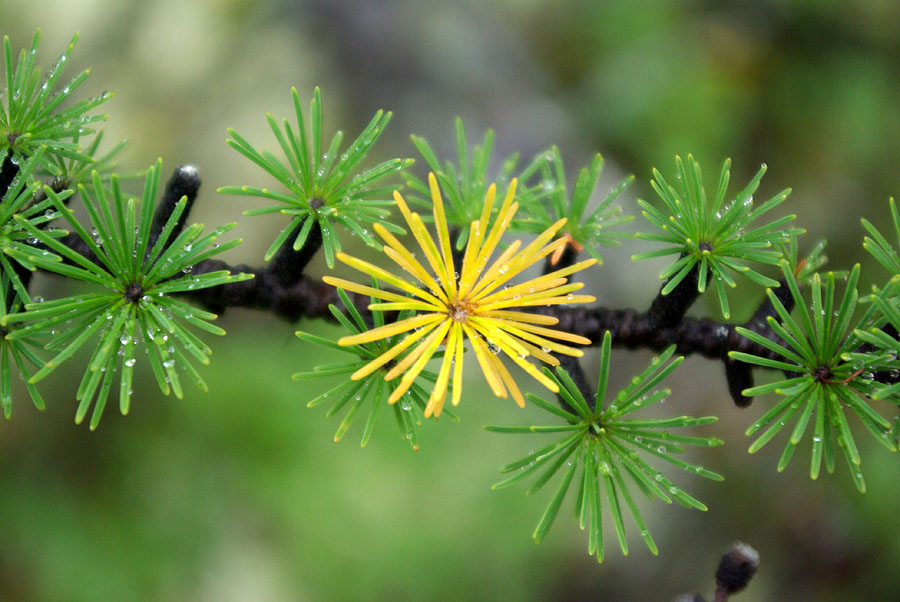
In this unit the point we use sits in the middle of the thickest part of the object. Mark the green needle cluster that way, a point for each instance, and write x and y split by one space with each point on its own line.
603 449
372 390
69 172
322 185
35 112
584 230
18 208
136 304
825 376
465 184
716 237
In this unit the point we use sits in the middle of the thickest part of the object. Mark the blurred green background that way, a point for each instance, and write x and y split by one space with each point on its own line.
240 494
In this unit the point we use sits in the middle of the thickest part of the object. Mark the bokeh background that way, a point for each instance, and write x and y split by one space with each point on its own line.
241 495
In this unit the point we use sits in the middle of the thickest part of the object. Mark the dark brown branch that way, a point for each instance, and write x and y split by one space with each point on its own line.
8 172
282 289
666 311
288 264
185 182
739 376
735 570
629 328
305 298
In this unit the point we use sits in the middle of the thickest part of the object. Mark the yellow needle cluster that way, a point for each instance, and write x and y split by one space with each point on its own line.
472 303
